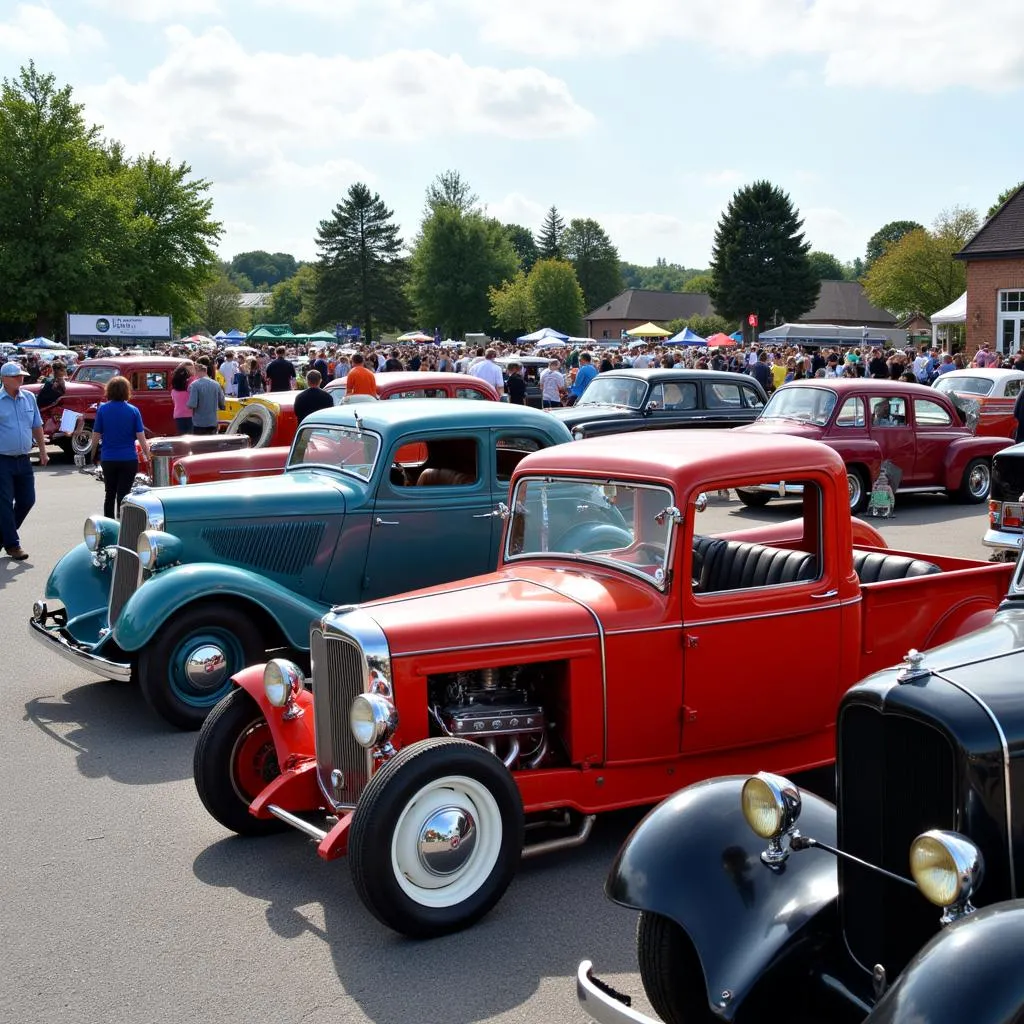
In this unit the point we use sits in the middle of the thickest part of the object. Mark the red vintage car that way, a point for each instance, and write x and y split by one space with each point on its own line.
150 378
986 397
269 420
617 654
913 431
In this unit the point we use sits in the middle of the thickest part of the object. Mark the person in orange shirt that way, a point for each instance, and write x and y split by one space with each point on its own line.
359 380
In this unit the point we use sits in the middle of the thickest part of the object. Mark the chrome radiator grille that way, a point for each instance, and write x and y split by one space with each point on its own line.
127 571
339 675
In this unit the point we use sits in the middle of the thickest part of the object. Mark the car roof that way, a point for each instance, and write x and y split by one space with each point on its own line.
425 378
986 372
846 385
681 456
135 362
666 373
430 414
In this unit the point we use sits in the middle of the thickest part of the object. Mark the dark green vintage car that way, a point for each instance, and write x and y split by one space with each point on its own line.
197 582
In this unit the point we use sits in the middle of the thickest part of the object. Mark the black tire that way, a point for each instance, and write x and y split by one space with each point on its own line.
234 754
860 489
670 971
385 819
753 499
976 482
161 663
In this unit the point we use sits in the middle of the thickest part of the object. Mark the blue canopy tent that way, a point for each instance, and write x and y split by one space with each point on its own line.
685 337
235 334
544 334
40 343
736 335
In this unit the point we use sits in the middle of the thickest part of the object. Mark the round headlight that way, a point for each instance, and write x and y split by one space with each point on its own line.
148 550
373 719
577 435
946 867
771 804
180 475
282 680
92 534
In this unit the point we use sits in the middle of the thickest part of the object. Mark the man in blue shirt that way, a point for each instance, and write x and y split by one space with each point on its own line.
584 375
20 423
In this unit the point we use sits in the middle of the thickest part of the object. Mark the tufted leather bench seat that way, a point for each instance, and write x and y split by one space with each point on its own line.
875 567
739 565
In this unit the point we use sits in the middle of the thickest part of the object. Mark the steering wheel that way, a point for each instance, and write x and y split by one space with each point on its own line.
655 551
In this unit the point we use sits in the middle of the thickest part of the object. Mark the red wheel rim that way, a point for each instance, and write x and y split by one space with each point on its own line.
253 761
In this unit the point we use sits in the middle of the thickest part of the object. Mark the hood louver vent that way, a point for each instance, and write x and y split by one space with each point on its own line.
284 548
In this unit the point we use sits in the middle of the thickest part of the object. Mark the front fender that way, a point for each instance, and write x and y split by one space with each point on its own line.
84 591
293 738
970 971
172 589
694 860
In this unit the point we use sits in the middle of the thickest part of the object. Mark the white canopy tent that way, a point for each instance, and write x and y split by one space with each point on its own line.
954 313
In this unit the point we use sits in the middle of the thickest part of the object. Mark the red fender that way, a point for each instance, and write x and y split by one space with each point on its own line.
293 738
961 619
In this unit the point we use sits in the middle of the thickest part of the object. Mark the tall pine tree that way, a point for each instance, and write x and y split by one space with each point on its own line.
361 275
549 241
759 263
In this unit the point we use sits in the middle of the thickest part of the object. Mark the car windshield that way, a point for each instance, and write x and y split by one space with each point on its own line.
808 405
964 385
351 451
623 524
614 391
95 374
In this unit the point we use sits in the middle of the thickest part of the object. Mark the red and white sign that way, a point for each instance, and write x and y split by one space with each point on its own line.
752 319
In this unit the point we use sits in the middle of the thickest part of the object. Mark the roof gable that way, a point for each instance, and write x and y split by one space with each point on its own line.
1001 235
845 300
644 304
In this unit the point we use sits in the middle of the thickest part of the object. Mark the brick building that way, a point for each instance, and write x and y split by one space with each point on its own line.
637 306
995 279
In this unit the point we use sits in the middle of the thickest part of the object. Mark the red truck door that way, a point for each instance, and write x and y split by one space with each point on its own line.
762 643
151 395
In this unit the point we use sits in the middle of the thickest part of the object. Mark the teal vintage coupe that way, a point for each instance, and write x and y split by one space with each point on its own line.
195 583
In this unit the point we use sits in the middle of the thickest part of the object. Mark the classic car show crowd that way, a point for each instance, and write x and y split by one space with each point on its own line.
302 611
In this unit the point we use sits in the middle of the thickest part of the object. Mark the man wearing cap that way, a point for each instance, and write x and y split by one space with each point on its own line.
20 422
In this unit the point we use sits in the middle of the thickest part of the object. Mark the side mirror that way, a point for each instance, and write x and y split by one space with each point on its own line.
700 502
651 407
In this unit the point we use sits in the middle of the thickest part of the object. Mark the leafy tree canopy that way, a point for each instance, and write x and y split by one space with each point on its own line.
704 326
217 309
511 308
826 267
556 296
662 277
449 189
697 285
596 261
293 301
759 262
888 235
523 242
263 269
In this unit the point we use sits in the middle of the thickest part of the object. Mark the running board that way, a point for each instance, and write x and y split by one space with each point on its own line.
296 822
566 843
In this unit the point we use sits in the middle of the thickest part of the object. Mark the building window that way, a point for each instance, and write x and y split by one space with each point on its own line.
1011 316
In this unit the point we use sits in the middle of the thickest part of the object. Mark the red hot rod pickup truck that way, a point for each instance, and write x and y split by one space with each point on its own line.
608 662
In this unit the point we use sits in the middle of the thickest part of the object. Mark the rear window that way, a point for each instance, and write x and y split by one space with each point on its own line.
95 374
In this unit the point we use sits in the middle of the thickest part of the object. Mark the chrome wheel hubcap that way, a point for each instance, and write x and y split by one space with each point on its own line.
853 481
446 840
979 481
206 667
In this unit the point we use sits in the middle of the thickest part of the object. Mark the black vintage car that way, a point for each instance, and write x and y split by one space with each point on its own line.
762 902
622 400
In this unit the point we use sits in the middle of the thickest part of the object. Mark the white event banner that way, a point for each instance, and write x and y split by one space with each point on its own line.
93 325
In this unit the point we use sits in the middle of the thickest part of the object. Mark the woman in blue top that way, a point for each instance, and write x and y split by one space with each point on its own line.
118 426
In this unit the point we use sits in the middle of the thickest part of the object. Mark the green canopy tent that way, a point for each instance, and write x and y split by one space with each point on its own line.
272 332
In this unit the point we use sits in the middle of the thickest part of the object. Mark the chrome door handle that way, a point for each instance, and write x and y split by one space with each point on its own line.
827 594
502 511
385 522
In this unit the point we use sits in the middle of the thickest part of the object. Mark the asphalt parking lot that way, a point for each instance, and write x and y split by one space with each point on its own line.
124 901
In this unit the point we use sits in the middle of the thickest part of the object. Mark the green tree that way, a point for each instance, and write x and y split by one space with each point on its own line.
556 296
918 273
164 247
1001 198
293 301
825 266
449 189
217 309
705 326
263 269
697 285
888 234
511 307
458 257
58 212
549 241
596 261
854 270
759 262
524 245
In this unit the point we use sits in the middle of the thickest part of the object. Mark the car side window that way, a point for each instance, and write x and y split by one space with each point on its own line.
1012 389
153 380
722 396
470 393
930 414
751 399
95 374
889 411
420 393
673 396
436 462
851 414
509 451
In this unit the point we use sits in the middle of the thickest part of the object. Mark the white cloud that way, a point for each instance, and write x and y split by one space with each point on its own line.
211 94
35 31
151 11
877 43
727 176
831 230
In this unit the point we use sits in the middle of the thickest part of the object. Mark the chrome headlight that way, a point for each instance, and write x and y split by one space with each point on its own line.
99 532
947 869
282 681
157 549
373 719
180 474
771 804
577 435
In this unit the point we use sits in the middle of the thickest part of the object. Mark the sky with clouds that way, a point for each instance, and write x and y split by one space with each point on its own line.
644 114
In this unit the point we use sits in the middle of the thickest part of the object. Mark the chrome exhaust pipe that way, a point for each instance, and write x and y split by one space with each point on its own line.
567 843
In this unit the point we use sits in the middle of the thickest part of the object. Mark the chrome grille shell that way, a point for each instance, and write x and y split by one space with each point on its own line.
139 512
347 650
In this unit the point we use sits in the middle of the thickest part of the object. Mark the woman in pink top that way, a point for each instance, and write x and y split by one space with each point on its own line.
183 376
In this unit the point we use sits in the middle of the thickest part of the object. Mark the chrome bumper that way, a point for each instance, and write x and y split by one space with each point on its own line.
602 1007
60 644
1003 540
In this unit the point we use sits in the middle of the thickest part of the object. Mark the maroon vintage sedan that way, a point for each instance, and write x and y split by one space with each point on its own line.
912 430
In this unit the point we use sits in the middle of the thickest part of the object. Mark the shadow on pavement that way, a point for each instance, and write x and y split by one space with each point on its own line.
114 734
552 916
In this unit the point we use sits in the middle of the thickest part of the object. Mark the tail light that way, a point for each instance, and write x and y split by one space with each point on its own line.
995 511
